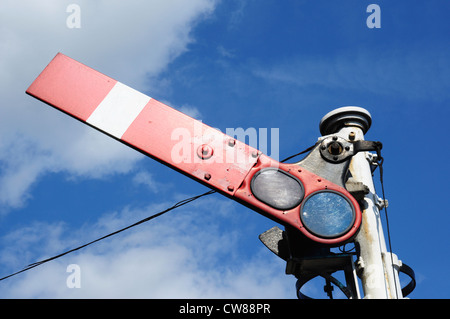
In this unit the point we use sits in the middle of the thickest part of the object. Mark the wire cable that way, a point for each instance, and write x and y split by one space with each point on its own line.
302 152
380 161
179 204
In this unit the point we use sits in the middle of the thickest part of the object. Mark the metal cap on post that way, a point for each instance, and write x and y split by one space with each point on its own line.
333 121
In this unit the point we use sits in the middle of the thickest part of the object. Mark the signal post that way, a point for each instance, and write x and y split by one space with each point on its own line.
379 277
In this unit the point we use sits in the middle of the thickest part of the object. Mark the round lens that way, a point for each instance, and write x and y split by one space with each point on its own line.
277 188
327 214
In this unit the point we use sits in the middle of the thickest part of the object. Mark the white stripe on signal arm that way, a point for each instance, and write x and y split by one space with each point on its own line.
118 110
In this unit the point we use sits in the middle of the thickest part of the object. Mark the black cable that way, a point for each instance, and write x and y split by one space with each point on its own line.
180 203
302 152
349 251
380 161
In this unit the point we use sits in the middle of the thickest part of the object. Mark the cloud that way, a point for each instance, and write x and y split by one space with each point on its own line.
224 52
145 178
187 109
404 73
236 16
186 254
190 110
131 41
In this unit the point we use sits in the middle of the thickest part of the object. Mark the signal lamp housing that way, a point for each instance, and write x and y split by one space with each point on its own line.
323 212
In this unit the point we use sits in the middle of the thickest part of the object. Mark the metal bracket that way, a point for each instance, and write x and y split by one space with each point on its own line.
362 146
401 267
275 240
307 269
331 157
381 203
321 163
305 265
336 149
357 189
404 268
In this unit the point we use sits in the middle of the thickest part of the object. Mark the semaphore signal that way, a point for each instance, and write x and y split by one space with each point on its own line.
324 201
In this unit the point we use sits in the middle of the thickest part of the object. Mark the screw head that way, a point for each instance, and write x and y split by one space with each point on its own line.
351 136
205 151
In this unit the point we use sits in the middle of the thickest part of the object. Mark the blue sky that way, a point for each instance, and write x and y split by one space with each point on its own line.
250 64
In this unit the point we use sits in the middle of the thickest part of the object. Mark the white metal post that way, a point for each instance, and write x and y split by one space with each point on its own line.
375 264
370 238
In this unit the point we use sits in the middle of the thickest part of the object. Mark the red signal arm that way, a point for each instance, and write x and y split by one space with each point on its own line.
168 136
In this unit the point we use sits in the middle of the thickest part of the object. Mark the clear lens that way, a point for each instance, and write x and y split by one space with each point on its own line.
277 188
327 214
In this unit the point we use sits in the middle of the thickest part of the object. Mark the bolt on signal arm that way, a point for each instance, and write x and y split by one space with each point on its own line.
279 191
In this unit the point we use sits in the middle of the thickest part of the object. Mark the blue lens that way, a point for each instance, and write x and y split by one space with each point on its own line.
327 214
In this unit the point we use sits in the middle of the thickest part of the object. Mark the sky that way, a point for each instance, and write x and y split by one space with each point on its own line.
271 65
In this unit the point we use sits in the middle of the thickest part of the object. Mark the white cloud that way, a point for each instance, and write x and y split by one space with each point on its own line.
186 254
187 109
131 41
405 73
236 16
145 178
225 53
190 110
